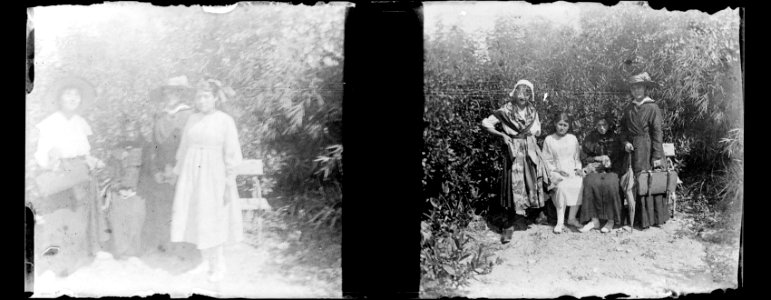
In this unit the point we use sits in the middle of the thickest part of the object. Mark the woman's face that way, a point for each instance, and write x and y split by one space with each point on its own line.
171 97
638 91
562 127
205 101
522 94
70 100
602 127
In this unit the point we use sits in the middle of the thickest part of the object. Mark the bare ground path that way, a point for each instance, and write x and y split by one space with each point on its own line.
279 266
656 262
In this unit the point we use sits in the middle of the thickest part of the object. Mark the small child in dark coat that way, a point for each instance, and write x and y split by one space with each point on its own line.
125 209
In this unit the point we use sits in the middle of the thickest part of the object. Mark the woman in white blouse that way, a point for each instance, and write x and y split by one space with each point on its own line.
562 154
524 176
73 227
206 211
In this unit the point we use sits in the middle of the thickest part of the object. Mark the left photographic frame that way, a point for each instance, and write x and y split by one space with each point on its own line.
185 150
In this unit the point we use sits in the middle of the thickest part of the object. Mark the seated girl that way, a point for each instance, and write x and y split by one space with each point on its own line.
561 151
601 194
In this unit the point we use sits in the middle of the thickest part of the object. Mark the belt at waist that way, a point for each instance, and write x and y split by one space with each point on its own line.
206 147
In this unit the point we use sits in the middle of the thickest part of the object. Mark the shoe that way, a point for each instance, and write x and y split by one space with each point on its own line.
608 226
588 227
558 229
574 223
203 267
218 274
506 235
103 255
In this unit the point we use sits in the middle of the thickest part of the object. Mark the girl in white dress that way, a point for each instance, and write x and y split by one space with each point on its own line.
561 151
206 211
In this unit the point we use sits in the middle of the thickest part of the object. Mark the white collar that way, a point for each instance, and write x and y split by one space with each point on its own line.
179 107
645 100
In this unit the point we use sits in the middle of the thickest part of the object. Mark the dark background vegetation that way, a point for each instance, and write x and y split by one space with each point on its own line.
695 57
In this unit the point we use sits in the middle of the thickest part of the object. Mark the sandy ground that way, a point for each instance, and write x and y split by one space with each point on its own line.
266 269
656 262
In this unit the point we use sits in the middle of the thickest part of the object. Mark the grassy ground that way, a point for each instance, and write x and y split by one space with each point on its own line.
677 258
279 263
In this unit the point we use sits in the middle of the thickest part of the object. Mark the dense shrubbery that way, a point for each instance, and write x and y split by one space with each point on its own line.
694 56
284 63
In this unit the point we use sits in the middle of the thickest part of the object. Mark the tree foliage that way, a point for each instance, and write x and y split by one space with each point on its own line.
284 63
693 56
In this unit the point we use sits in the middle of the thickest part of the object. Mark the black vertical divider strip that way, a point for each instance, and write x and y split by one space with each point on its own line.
382 137
29 217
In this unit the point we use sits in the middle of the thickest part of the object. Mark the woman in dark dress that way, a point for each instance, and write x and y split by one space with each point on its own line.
601 154
641 136
155 183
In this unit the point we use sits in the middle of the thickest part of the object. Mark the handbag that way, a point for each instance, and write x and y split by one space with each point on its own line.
656 182
70 174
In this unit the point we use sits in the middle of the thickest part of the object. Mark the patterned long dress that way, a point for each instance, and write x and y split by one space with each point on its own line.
524 174
641 126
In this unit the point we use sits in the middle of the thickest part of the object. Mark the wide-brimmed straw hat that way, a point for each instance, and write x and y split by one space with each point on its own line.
54 92
642 78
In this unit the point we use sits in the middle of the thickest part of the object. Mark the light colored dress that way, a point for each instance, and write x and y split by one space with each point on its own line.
206 211
564 153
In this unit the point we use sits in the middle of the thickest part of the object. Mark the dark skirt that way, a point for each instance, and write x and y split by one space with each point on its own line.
74 224
601 198
126 216
651 210
159 199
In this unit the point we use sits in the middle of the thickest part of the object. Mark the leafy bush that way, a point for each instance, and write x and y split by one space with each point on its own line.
693 56
450 256
284 62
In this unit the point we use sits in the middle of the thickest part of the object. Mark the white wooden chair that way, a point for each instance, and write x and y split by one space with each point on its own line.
669 153
256 204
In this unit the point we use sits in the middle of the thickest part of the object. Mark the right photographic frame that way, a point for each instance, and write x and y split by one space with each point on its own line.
581 150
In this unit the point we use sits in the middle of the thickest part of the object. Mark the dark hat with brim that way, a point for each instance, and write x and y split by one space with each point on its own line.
642 79
54 93
178 84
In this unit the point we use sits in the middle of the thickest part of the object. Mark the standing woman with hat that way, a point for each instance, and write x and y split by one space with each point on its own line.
641 137
206 211
524 172
155 184
73 227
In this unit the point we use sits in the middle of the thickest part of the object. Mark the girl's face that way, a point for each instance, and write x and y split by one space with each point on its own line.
602 127
638 91
205 101
562 127
522 94
70 100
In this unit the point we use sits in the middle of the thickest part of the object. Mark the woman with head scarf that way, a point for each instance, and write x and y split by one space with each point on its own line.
601 194
524 174
641 137
206 211
73 228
